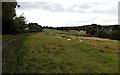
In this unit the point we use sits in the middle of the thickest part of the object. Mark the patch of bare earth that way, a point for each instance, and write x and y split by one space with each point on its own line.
97 39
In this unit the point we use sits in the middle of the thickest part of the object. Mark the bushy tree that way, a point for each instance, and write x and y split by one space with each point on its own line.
8 13
91 30
114 34
20 23
115 27
88 30
102 33
34 27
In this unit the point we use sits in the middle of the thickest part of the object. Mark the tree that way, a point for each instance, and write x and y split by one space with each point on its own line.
88 30
91 30
115 27
34 27
20 23
95 30
8 13
114 34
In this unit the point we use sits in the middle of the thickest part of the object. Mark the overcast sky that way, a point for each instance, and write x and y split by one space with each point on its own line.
69 12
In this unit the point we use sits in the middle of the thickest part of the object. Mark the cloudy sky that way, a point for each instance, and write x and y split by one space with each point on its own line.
69 12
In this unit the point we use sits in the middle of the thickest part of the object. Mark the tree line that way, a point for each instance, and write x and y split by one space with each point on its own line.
111 31
108 31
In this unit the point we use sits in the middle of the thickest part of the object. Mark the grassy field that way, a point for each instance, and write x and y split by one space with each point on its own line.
53 51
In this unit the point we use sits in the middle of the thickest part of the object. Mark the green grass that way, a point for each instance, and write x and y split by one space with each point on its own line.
48 52
12 52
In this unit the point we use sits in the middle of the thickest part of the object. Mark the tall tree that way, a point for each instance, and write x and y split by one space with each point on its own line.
8 14
20 23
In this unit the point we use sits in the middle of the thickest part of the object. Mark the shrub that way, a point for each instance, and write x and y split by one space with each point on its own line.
114 34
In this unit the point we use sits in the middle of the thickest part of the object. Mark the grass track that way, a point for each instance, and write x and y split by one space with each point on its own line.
47 53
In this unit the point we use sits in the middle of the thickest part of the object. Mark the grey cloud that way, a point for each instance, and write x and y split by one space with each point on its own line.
85 5
82 8
90 20
29 5
94 9
112 10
